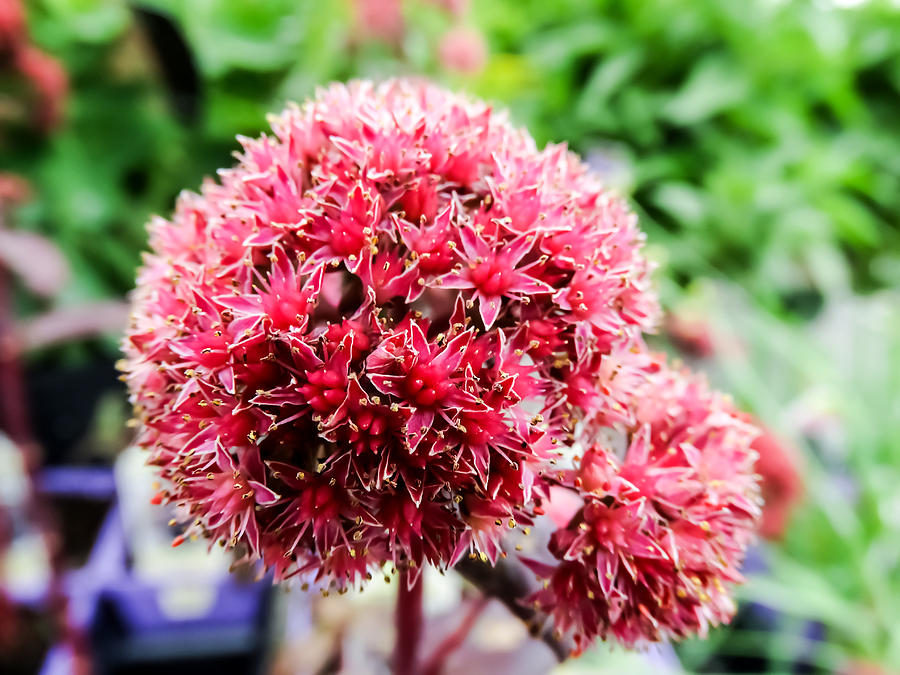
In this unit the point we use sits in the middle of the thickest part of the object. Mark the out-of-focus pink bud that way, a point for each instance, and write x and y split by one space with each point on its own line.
379 20
12 25
463 50
782 487
13 189
49 82
693 336
455 7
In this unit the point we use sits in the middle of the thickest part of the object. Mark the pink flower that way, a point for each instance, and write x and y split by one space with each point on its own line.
13 30
13 189
46 77
692 335
454 7
492 272
661 532
379 337
48 80
782 485
360 326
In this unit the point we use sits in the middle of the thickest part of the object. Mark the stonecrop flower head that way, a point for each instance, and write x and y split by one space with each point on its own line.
379 337
662 524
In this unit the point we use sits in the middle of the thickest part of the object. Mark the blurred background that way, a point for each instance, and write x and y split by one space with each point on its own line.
759 142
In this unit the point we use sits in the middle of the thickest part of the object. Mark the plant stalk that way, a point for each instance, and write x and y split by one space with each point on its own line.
436 663
508 583
408 621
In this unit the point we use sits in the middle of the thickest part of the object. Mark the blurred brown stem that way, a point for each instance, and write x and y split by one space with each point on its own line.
508 583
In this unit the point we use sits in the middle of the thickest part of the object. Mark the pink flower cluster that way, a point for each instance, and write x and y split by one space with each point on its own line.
381 336
661 529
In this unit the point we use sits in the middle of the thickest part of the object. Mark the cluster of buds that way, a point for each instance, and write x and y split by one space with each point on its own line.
384 336
46 77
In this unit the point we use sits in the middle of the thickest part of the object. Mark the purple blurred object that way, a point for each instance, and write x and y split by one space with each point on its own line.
130 627
59 661
760 618
85 482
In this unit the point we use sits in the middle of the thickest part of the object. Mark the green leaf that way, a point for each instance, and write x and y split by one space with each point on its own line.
714 85
92 21
682 201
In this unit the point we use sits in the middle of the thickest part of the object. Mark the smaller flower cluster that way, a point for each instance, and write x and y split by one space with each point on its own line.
660 532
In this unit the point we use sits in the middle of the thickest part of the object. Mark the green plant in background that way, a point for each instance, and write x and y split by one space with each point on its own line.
830 386
762 137
106 167
127 146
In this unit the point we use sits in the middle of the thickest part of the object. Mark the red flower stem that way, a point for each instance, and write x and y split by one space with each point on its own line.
435 664
13 414
14 421
408 621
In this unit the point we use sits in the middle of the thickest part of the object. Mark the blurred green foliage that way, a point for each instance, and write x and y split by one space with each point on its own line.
759 140
830 388
126 149
762 137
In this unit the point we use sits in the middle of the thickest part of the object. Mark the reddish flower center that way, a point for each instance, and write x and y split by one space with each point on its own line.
490 278
367 433
338 331
426 385
348 238
325 390
284 308
435 257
